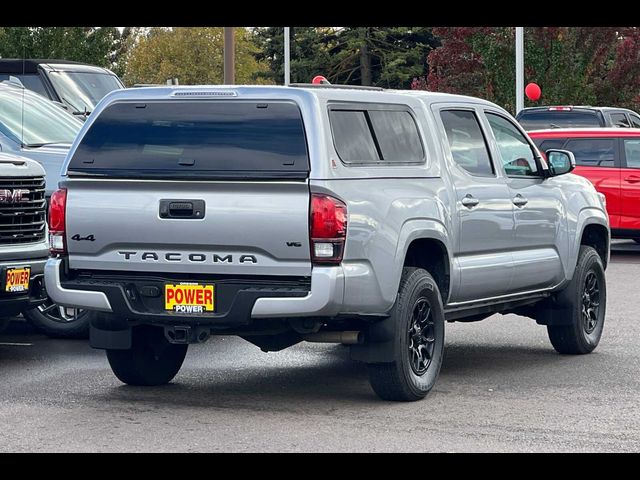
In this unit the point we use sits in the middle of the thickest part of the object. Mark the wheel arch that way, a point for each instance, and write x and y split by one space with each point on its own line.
592 230
426 244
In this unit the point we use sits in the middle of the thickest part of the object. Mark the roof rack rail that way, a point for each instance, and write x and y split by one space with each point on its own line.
331 85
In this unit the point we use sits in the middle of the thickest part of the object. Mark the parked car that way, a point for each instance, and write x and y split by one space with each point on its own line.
77 87
319 213
32 126
610 159
538 118
24 247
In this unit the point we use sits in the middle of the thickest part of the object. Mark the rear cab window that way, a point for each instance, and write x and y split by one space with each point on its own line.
195 140
467 143
539 120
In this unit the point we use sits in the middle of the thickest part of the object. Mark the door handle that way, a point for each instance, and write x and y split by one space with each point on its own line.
519 201
632 179
182 209
470 201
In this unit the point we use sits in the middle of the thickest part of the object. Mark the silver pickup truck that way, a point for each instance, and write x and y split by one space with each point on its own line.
23 235
319 213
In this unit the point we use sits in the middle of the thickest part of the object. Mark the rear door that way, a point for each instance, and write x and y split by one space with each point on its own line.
598 160
483 208
630 185
206 186
540 220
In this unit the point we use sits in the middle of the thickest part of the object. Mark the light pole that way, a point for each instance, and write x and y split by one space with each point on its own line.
519 69
287 56
229 56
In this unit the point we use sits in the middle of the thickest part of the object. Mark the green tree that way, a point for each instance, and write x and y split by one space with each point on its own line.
388 57
193 55
95 45
310 52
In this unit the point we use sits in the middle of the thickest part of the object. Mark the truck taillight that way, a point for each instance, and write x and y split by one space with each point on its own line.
328 229
57 221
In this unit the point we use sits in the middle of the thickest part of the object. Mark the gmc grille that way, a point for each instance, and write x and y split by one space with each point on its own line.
24 221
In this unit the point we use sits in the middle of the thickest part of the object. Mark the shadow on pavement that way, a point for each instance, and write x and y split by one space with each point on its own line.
338 379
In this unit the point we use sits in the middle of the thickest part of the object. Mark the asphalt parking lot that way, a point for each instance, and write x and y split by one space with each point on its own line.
502 388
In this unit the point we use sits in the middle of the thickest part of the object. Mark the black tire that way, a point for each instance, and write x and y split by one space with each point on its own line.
410 377
57 323
585 302
152 360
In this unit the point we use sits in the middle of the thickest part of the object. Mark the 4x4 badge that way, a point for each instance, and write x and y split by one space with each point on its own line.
78 238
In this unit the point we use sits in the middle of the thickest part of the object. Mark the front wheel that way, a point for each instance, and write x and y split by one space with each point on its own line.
151 360
59 322
418 317
586 300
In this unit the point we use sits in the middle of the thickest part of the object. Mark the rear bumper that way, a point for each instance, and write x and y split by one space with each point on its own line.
250 301
11 304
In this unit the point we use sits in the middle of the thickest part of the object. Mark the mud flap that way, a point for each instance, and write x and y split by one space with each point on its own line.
110 339
379 343
551 313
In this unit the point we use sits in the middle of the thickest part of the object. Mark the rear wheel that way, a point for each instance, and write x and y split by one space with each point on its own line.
151 360
418 317
58 321
585 298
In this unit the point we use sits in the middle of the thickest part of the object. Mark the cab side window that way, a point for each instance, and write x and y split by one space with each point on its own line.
632 153
466 141
593 152
619 120
635 120
517 155
376 134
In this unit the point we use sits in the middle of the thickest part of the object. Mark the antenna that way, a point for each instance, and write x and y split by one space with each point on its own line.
24 54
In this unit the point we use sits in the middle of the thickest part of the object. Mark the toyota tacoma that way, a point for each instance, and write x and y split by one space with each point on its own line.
319 213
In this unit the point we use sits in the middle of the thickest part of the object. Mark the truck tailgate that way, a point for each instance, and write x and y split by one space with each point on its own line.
248 228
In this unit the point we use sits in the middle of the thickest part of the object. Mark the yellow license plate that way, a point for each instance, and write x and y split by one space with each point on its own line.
189 298
17 280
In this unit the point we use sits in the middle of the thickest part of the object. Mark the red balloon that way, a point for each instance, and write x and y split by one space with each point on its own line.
319 79
532 91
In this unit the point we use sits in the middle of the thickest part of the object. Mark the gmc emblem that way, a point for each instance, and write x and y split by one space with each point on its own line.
13 196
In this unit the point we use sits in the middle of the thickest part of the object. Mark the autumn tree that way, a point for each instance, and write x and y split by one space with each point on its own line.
572 65
193 55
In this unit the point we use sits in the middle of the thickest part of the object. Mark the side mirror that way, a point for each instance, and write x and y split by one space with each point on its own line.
560 162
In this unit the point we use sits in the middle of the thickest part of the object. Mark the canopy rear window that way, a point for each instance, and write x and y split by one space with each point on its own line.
195 139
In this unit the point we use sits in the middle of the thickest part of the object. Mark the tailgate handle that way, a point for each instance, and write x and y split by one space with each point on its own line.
171 208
